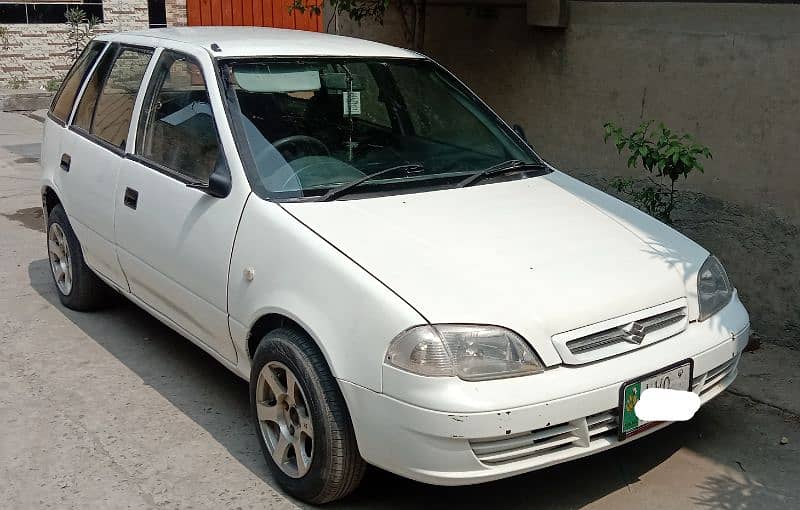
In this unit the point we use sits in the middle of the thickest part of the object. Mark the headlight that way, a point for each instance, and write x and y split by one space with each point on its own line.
714 289
473 353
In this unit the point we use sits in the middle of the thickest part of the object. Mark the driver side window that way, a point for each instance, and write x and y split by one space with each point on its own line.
176 128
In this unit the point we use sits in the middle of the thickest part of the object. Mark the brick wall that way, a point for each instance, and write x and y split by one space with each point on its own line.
176 13
38 53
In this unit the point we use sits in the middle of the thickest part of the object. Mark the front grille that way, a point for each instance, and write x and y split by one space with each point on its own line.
662 324
576 434
704 383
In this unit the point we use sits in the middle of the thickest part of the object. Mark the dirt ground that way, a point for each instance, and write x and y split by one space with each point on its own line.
760 251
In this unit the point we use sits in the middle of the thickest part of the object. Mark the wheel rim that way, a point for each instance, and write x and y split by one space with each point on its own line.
284 419
60 260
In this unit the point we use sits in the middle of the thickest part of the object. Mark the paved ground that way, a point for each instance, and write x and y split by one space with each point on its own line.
113 410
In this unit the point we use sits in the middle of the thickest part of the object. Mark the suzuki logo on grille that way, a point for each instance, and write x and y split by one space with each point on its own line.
634 333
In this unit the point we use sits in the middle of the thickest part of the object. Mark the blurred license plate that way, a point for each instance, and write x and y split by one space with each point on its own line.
675 377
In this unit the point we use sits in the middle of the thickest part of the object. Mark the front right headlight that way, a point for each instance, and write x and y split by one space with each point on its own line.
714 289
469 351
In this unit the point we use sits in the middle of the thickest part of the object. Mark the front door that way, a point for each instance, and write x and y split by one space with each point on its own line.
174 242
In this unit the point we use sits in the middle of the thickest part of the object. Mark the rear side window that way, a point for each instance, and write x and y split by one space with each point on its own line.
83 115
177 129
108 116
65 97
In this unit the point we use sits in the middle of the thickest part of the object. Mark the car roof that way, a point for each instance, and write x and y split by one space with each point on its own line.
261 41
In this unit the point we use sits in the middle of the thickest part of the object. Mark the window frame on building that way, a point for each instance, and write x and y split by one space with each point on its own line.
47 12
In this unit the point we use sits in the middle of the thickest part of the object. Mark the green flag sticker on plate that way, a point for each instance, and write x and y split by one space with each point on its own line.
629 419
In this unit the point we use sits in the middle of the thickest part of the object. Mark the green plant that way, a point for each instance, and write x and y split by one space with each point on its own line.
80 28
412 14
4 38
665 155
52 84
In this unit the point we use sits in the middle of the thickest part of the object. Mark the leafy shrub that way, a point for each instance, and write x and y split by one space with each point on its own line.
52 84
79 28
665 156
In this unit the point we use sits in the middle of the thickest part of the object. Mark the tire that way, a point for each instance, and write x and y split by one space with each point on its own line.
335 468
85 291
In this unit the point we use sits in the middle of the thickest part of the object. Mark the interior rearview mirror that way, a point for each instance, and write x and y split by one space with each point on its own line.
340 82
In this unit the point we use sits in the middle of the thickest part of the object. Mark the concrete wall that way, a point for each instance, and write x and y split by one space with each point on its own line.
728 73
38 53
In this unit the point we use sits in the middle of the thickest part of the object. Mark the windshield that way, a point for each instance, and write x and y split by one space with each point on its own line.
317 124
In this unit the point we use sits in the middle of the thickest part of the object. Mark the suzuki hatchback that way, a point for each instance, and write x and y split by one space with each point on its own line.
400 277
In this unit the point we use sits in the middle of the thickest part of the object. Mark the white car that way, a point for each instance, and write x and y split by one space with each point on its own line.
402 280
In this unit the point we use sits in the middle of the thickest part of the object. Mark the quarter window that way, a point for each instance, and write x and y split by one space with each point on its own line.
85 111
176 129
110 117
65 98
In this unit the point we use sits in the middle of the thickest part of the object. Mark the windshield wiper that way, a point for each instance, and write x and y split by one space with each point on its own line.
337 192
512 165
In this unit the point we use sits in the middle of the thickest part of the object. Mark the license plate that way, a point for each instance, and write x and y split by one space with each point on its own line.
674 377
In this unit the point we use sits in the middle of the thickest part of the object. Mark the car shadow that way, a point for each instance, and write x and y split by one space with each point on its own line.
189 378
218 401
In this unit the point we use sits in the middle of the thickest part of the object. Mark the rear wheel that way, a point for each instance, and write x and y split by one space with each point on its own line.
301 419
78 287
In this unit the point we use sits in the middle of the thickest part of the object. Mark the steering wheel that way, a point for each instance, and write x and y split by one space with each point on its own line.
309 141
318 163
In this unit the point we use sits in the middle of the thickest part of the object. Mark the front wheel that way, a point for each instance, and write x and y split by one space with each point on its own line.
302 421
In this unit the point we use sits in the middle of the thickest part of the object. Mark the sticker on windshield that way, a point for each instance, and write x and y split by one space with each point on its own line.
351 102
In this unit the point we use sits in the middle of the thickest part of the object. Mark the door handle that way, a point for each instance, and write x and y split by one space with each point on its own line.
131 198
65 162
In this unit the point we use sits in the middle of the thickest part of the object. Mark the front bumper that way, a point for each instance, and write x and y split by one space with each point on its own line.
431 441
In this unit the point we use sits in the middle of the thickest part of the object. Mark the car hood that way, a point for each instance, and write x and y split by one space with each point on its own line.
539 256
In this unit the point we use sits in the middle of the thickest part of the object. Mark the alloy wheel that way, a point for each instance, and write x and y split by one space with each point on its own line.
60 260
285 419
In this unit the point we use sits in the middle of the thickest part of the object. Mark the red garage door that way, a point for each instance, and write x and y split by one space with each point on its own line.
257 13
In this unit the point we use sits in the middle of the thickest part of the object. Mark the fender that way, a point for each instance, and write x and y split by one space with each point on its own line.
350 314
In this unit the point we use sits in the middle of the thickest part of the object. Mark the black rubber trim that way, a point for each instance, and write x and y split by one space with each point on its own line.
97 141
56 119
159 168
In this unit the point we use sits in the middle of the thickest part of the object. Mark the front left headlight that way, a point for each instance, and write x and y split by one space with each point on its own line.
471 352
714 289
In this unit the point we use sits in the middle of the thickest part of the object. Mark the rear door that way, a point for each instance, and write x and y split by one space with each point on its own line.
60 112
174 241
92 151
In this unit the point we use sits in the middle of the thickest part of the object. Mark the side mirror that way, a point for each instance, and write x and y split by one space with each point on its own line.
219 182
520 132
